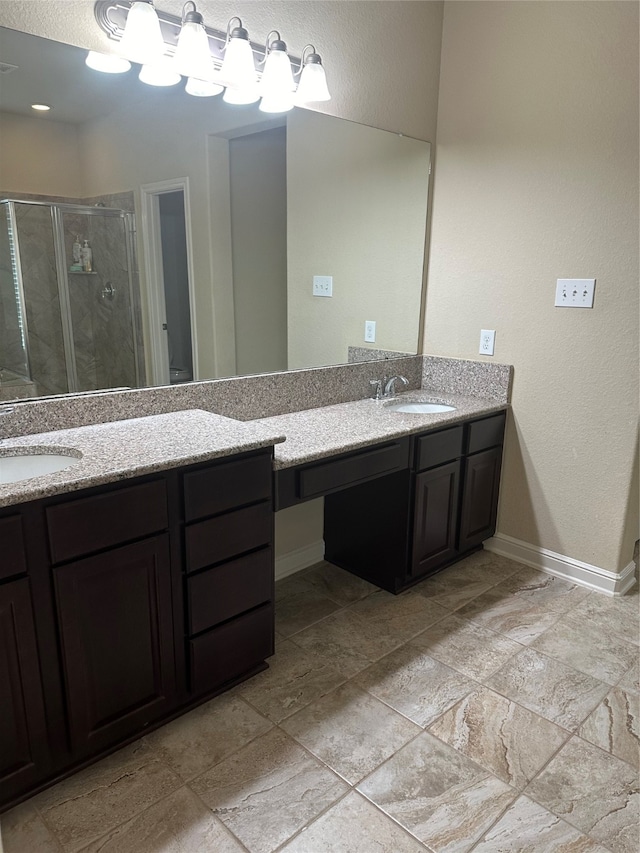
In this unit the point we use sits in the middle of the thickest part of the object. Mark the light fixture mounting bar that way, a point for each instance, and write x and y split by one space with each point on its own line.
111 16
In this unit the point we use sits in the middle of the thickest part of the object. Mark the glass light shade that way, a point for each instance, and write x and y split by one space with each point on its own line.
238 68
277 103
107 62
193 57
142 38
202 88
241 96
159 74
312 85
277 77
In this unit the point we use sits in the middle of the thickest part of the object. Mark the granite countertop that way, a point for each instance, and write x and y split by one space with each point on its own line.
317 433
131 448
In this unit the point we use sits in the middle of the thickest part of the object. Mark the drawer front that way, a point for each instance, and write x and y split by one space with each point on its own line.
356 468
87 525
232 649
227 485
436 448
12 556
217 539
489 432
230 589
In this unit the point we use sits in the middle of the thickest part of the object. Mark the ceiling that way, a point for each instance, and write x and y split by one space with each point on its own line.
55 74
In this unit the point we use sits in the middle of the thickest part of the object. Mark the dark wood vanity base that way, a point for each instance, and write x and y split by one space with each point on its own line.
397 529
125 605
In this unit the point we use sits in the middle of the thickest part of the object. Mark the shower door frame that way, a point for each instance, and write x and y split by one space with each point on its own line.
57 209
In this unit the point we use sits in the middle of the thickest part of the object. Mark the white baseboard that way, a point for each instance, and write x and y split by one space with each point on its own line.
294 561
584 574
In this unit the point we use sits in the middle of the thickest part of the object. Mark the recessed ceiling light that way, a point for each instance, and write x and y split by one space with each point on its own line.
41 107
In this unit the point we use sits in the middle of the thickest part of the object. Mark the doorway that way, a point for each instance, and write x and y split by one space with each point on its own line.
168 267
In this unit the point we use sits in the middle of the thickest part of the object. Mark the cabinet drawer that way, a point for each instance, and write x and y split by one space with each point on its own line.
356 468
436 448
230 589
226 485
86 525
232 649
488 432
217 539
12 559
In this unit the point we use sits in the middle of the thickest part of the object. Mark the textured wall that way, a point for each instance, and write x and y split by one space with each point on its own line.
378 55
537 178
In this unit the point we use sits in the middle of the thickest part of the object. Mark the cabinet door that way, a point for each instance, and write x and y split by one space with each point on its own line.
24 754
116 632
480 497
435 516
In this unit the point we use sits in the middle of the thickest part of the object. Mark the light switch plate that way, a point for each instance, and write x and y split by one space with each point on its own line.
575 292
323 285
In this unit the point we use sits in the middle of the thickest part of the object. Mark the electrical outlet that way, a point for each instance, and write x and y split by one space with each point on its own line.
575 292
487 341
323 285
370 331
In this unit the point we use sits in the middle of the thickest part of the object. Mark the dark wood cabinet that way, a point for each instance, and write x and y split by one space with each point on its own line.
397 529
24 751
480 500
126 604
435 516
116 636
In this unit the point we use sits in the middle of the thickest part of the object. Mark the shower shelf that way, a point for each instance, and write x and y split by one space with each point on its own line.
76 272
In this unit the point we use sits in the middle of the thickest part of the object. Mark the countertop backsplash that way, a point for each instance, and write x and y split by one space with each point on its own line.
266 395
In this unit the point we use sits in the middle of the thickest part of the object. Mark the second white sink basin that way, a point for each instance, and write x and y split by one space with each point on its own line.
22 463
420 408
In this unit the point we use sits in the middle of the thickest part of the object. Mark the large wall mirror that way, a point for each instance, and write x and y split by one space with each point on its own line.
206 226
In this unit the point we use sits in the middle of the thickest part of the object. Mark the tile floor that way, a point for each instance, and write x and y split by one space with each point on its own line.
492 708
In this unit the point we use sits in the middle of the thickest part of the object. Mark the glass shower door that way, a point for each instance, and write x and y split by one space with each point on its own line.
100 305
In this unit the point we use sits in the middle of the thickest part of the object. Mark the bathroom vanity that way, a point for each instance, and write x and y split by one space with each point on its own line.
140 580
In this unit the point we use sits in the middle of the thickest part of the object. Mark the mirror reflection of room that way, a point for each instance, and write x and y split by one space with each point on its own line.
261 207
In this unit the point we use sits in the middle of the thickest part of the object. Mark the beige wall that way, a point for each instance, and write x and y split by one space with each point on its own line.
39 156
258 184
536 179
357 212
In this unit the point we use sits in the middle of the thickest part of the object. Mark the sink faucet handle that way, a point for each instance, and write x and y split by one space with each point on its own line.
390 387
377 383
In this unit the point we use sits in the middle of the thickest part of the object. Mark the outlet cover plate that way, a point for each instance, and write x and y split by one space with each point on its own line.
487 341
370 331
575 292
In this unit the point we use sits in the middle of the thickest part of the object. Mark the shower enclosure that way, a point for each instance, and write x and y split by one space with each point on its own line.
64 326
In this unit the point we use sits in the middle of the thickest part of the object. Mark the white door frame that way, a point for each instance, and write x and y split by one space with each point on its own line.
152 259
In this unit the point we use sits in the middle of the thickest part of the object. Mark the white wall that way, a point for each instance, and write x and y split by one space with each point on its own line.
537 178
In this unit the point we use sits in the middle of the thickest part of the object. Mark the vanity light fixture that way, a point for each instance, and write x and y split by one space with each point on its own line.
159 73
108 63
313 81
142 39
202 88
212 60
192 57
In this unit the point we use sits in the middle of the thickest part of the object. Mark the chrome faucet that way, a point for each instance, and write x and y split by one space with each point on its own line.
377 384
390 387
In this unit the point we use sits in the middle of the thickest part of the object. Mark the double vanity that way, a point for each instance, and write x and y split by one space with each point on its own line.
139 580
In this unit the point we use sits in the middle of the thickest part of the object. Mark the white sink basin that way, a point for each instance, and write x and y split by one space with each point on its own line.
420 408
23 463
